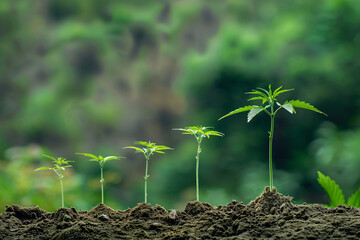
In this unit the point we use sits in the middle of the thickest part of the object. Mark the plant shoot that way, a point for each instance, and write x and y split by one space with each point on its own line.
101 160
199 132
59 165
148 148
268 104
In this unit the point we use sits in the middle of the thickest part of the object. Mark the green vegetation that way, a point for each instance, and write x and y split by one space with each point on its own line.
147 66
59 165
101 160
199 132
268 101
335 193
148 148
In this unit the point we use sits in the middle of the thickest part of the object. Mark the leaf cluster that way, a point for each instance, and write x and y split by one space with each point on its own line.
148 148
200 132
59 163
268 98
335 193
100 159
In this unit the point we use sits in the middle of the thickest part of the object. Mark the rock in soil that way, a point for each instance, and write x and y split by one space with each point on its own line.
270 216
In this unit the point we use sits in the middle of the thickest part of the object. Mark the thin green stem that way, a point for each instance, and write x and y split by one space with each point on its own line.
146 177
271 137
62 191
102 184
197 169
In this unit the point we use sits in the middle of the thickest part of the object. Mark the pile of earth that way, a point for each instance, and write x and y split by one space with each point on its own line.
271 215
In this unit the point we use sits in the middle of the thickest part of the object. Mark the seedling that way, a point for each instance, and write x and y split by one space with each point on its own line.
101 160
199 133
148 148
268 99
59 165
335 194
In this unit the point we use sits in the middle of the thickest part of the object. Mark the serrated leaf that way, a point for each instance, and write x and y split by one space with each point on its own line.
304 105
239 110
42 168
334 192
252 113
288 107
354 200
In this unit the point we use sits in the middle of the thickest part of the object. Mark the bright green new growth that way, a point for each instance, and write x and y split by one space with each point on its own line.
59 165
148 148
101 160
335 194
199 133
268 100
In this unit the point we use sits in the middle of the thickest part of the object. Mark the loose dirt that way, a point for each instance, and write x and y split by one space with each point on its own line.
270 216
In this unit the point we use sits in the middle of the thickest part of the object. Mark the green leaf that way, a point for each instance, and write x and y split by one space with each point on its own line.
304 105
253 112
214 133
334 192
52 158
88 155
42 168
354 200
256 92
282 91
257 98
288 107
242 109
136 148
111 158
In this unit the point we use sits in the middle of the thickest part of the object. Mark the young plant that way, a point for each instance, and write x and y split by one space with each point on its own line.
59 165
101 160
148 148
268 104
199 132
335 194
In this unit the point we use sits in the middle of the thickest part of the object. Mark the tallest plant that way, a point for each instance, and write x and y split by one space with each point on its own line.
271 107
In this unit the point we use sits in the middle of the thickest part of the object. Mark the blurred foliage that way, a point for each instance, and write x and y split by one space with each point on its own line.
95 76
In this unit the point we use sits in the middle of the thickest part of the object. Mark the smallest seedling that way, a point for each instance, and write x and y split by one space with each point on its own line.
101 160
199 132
59 165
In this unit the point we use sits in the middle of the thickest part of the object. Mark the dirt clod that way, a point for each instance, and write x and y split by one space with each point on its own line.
271 215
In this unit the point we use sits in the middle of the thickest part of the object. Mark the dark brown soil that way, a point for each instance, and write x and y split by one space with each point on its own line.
271 215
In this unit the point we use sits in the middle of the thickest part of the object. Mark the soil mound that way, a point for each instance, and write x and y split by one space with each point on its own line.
271 215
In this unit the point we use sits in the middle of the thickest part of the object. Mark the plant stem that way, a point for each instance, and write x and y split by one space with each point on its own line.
146 177
102 185
197 170
62 191
271 137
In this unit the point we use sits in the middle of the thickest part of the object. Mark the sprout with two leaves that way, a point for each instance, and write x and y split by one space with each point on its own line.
199 132
268 100
59 165
101 160
148 148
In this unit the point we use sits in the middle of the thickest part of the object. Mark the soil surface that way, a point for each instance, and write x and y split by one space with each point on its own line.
270 216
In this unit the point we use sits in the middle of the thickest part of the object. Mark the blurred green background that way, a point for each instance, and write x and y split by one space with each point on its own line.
95 76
